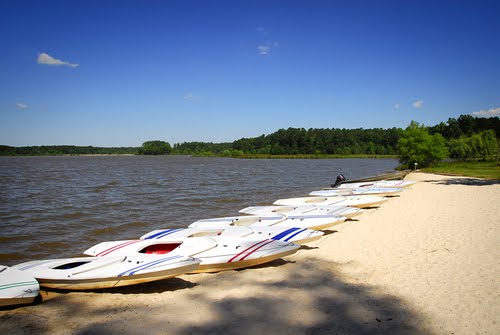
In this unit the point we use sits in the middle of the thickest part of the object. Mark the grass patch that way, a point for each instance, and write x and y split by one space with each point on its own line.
487 170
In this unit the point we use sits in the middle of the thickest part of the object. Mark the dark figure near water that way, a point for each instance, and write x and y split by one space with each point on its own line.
340 179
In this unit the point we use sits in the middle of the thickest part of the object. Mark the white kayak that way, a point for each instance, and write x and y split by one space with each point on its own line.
380 191
244 221
352 201
88 273
216 253
316 222
344 211
285 234
379 184
17 287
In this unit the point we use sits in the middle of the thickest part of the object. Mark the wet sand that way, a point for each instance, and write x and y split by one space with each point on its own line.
425 262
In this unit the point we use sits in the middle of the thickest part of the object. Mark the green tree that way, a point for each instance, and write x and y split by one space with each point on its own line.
467 124
459 148
155 148
484 144
481 145
416 145
453 130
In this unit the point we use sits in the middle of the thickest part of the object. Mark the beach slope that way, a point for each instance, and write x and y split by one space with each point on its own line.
424 262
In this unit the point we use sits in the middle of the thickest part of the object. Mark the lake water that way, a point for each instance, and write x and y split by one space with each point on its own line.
52 207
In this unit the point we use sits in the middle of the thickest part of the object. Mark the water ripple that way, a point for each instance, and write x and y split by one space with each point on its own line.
59 206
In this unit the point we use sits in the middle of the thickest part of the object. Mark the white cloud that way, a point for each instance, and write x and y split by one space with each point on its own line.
488 113
47 59
266 44
191 97
397 106
21 105
264 50
418 104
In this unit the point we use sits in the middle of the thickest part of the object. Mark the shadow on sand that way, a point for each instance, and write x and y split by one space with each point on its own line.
171 284
464 181
306 297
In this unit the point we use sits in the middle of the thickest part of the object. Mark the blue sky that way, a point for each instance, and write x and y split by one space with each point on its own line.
118 73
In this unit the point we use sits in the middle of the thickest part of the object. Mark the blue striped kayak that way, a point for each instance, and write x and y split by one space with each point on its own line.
287 234
216 253
89 273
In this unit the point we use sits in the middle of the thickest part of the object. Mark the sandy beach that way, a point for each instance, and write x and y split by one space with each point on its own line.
426 262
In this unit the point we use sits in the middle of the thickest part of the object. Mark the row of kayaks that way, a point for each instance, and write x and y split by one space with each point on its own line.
261 235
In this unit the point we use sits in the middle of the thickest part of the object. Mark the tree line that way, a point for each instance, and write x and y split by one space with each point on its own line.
58 150
466 137
335 141
294 141
465 125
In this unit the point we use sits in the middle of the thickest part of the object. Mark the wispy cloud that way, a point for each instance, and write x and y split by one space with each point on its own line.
418 104
21 105
488 113
264 50
262 30
191 97
396 106
47 59
267 45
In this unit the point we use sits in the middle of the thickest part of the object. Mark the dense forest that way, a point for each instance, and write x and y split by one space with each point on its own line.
466 125
334 141
208 148
58 150
291 141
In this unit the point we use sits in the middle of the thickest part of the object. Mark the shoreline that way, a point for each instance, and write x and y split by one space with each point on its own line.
424 262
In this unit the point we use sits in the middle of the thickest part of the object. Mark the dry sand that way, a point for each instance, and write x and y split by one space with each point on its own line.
426 262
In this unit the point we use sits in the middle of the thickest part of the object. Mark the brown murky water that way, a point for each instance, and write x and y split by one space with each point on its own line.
53 207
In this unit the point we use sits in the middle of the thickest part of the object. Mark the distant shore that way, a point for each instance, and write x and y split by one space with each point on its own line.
244 156
303 156
423 263
98 155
